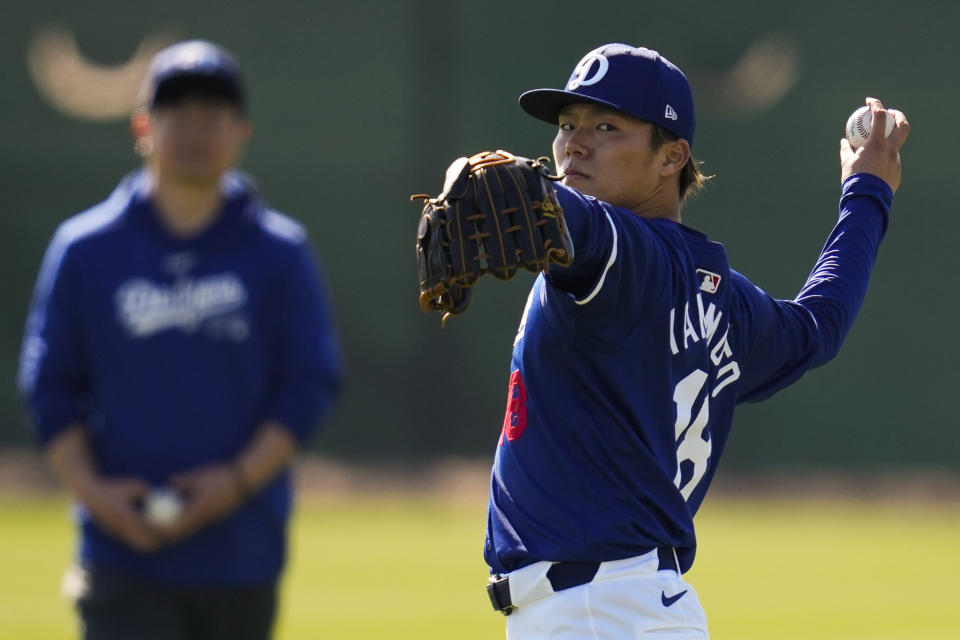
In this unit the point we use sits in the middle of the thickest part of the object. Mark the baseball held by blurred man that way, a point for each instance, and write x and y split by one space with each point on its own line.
180 337
634 347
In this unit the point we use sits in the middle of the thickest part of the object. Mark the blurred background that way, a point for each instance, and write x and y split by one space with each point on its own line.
358 105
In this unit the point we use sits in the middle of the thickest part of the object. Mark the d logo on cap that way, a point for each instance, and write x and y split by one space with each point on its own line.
580 72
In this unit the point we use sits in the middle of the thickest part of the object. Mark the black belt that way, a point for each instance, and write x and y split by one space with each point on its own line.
565 575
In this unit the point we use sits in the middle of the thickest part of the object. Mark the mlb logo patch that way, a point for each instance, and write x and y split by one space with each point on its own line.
709 281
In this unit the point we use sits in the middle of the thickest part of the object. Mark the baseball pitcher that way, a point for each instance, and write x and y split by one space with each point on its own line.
637 341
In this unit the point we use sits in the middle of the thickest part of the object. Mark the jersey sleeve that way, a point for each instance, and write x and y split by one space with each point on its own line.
307 369
786 338
616 257
53 373
594 237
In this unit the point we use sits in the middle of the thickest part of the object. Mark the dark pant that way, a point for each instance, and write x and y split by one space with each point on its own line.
117 606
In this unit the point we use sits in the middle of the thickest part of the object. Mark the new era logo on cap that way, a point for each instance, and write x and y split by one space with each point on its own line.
670 114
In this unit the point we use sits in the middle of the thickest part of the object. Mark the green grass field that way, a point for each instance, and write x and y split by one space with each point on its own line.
409 566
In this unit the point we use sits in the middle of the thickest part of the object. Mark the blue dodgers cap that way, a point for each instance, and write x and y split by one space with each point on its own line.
634 80
192 67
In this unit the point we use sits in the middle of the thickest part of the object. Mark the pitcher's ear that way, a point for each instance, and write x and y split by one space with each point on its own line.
676 157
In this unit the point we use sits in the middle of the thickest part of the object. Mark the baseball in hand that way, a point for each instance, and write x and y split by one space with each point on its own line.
163 507
859 125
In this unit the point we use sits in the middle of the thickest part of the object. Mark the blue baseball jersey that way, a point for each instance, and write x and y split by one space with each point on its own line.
626 369
172 352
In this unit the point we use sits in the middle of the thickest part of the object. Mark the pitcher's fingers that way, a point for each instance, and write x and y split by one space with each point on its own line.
846 151
901 128
897 115
877 111
878 122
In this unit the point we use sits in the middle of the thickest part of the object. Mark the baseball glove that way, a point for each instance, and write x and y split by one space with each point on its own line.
497 213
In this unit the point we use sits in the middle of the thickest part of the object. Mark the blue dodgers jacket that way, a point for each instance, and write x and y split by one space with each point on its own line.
172 352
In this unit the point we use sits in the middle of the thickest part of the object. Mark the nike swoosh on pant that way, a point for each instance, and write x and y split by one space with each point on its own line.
669 600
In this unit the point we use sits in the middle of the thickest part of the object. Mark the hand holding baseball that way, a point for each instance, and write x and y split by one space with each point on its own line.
210 493
860 127
111 502
162 507
877 155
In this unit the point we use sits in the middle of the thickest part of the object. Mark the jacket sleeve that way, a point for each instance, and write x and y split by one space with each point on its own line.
788 337
307 370
53 374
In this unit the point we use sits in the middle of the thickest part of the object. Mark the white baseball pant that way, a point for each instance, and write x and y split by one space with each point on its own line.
626 599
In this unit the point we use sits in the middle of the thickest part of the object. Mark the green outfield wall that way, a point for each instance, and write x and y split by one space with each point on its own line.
357 105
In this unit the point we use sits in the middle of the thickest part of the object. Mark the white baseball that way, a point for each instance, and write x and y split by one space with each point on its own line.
859 125
163 507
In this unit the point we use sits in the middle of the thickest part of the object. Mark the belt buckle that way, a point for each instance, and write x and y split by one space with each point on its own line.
498 588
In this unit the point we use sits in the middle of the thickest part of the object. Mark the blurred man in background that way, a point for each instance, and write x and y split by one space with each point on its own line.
180 337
